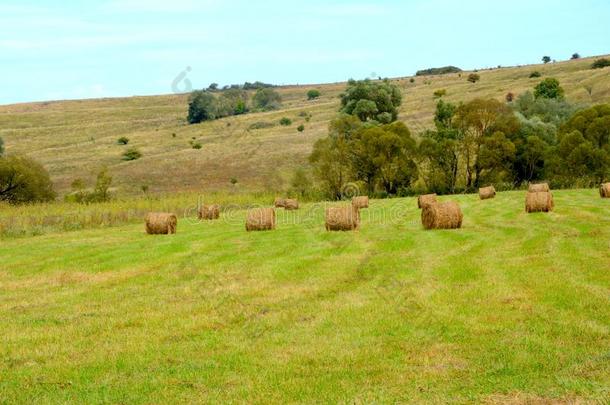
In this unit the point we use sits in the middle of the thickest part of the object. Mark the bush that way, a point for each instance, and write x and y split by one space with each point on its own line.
549 88
313 94
285 121
535 74
601 63
509 97
202 107
123 140
23 180
474 77
261 125
132 154
440 93
233 180
438 71
195 144
301 128
266 99
411 80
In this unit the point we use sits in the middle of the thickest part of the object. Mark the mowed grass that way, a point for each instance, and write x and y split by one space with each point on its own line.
74 139
512 307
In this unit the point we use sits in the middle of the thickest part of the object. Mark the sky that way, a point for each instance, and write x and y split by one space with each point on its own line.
52 50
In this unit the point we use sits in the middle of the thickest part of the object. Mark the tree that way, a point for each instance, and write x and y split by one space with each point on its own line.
313 94
546 59
371 100
575 56
549 88
548 110
102 185
301 183
266 99
202 107
213 87
232 102
496 157
23 180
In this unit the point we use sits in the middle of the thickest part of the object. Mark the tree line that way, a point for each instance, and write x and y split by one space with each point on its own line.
534 136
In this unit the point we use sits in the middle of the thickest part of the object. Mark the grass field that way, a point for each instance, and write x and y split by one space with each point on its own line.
73 139
513 308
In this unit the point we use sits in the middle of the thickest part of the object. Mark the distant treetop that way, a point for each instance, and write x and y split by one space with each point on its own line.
438 71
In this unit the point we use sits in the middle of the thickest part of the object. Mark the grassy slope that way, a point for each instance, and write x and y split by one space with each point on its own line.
511 307
74 138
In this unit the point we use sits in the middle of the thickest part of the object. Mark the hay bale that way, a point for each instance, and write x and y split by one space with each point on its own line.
291 204
486 193
537 188
604 190
342 219
161 223
260 219
209 212
279 202
447 215
426 199
360 202
541 201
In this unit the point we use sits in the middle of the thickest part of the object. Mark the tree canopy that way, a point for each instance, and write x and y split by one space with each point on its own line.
23 180
372 100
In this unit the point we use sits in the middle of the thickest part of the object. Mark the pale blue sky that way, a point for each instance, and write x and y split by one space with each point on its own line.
63 50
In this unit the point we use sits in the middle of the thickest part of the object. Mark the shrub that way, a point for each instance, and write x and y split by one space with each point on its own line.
601 63
196 144
202 107
285 121
549 88
266 99
575 56
261 125
301 128
411 80
233 180
438 71
132 154
535 74
123 140
546 59
474 77
23 180
509 97
313 94
440 93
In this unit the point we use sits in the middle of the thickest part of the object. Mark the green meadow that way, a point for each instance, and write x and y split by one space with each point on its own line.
512 308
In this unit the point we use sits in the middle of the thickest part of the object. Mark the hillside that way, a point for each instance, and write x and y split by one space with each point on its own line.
513 308
73 139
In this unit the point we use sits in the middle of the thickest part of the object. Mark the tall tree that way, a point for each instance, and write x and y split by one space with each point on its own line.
372 100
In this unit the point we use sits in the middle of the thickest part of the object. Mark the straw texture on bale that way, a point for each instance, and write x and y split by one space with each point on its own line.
291 204
487 192
604 190
447 215
536 188
360 202
279 202
260 219
426 199
161 223
342 219
209 212
541 201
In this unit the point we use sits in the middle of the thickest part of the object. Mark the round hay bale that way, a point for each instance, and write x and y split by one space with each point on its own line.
161 223
447 215
291 204
537 188
278 202
209 212
541 201
486 193
604 190
260 219
342 219
426 199
360 202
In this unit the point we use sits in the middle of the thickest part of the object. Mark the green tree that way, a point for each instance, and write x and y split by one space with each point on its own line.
102 185
371 100
202 107
301 183
313 94
23 180
549 88
548 110
496 157
232 102
575 56
546 59
266 99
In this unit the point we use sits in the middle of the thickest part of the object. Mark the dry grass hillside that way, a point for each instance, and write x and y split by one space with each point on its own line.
73 139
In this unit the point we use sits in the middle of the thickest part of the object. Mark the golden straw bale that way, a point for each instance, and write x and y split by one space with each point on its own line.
291 204
342 219
487 192
209 212
279 202
604 190
360 202
161 223
260 219
447 215
536 188
425 199
541 201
